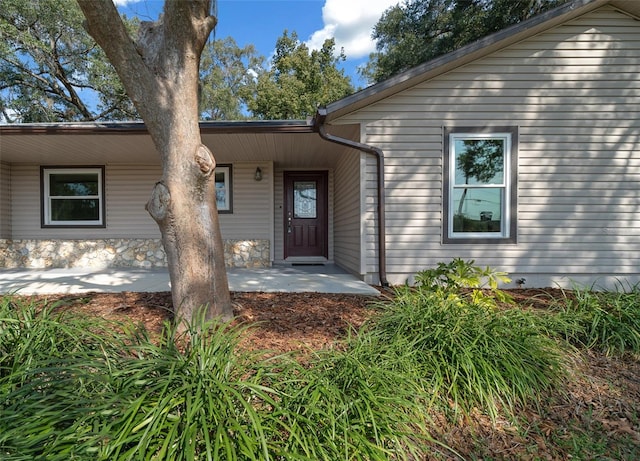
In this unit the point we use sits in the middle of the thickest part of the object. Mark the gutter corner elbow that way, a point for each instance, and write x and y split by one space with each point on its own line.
319 118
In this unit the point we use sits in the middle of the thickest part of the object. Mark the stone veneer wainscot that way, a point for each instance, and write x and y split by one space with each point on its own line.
145 253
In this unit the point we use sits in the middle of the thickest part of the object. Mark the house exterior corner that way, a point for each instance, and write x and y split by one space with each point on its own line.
559 109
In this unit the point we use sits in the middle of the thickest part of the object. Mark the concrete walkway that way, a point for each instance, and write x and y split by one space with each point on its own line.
298 279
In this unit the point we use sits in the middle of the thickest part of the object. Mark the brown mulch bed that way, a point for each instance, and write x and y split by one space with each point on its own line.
602 396
283 322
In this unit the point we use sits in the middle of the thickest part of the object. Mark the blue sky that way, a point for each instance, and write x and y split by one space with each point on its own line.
261 22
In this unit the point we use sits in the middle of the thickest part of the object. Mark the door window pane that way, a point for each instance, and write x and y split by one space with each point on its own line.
304 199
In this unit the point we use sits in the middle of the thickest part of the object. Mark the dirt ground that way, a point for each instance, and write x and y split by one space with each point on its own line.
602 396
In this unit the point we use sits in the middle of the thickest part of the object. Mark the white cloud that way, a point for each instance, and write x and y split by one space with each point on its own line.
123 2
350 22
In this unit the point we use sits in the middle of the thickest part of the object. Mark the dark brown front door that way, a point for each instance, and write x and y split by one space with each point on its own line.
306 214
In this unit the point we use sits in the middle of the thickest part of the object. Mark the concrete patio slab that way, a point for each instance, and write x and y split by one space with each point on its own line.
292 279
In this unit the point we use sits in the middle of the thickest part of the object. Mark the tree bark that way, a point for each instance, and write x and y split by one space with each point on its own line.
160 72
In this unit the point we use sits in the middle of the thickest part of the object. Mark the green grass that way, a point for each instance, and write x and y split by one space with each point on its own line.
80 388
72 389
357 404
470 355
50 379
604 321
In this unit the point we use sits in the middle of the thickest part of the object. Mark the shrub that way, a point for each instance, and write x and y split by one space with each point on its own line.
205 400
463 279
469 354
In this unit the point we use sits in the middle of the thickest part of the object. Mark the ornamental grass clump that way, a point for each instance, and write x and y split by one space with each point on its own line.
356 403
604 321
80 388
84 393
31 333
214 400
52 379
202 400
470 352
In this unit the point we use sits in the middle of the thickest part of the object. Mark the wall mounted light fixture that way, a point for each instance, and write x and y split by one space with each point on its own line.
258 175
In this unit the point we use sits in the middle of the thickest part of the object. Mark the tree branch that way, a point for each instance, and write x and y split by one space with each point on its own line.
60 73
104 24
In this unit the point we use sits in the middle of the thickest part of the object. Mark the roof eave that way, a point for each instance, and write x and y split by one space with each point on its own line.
138 127
462 56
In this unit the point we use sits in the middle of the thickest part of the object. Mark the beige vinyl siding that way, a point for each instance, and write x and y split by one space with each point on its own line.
574 93
5 201
25 206
278 214
252 202
347 218
128 188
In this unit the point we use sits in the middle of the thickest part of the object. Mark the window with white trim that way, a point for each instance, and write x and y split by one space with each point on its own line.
72 197
224 200
480 185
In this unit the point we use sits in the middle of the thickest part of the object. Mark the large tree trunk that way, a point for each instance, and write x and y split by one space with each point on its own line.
183 204
160 73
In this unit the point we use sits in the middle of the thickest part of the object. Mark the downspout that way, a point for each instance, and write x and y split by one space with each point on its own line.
319 126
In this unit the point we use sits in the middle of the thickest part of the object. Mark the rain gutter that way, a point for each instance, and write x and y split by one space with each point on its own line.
320 127
138 127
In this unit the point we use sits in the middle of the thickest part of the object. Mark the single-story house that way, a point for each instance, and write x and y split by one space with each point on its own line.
520 151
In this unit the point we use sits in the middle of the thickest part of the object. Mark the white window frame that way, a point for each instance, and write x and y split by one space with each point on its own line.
227 207
508 186
47 220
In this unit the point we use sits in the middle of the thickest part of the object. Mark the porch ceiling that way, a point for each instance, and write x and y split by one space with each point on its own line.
288 145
